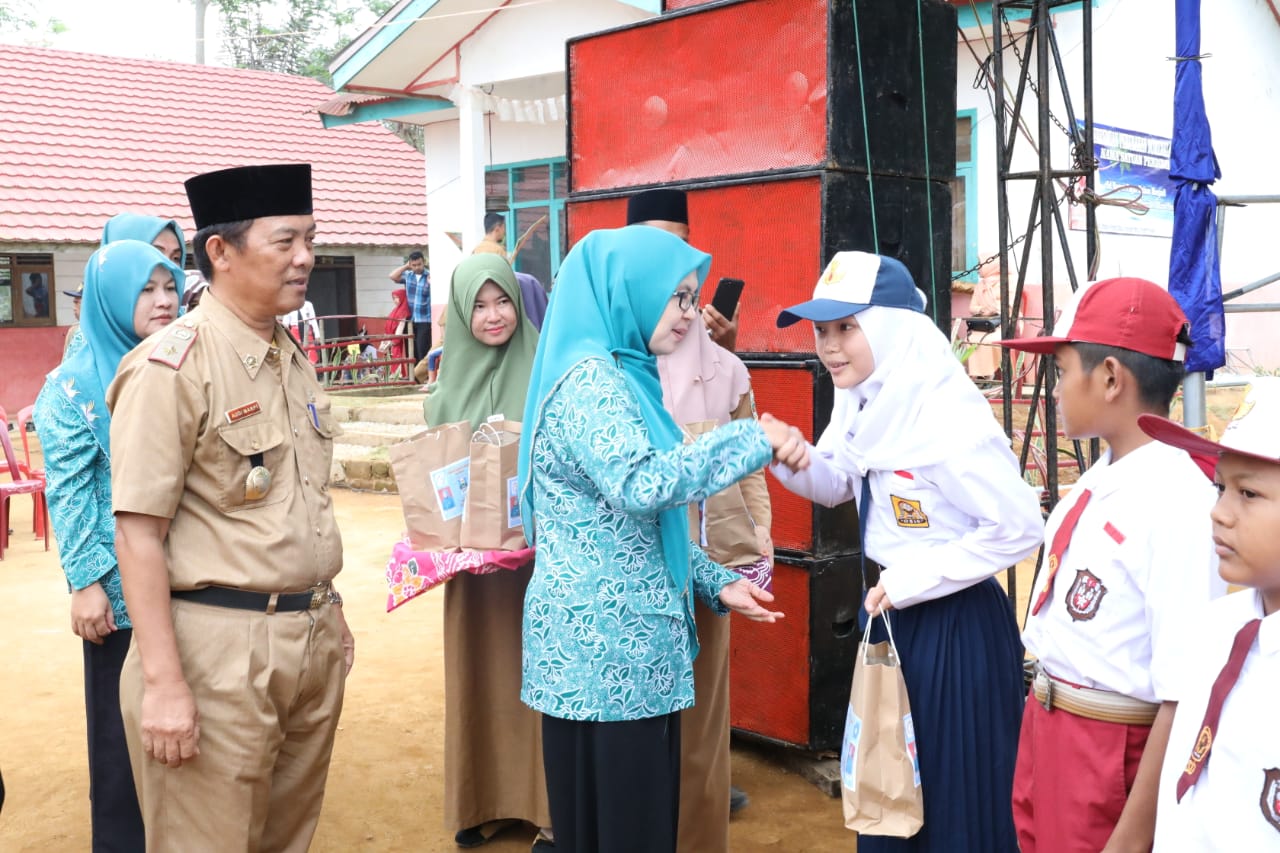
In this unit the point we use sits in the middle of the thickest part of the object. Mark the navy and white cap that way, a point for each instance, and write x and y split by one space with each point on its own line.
853 282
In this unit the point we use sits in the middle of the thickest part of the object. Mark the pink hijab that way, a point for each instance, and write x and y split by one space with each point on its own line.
701 380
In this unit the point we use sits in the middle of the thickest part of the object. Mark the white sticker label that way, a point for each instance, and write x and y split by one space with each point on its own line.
909 730
849 754
513 502
450 484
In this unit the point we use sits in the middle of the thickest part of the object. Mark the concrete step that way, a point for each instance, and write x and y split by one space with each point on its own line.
371 423
378 434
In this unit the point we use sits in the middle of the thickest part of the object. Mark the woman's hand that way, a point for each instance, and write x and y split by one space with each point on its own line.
92 618
789 445
724 331
742 596
878 601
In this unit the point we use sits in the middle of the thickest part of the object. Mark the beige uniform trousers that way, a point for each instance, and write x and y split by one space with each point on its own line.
704 742
269 691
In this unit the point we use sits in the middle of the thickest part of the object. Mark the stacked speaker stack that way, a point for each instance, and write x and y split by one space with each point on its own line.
783 120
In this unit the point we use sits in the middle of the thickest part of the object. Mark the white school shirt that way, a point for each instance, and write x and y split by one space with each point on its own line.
1135 579
939 528
1234 806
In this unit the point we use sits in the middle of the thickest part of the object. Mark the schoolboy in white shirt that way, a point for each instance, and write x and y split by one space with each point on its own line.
1129 565
1220 785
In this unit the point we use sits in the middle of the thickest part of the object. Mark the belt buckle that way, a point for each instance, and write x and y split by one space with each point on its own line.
1047 683
319 596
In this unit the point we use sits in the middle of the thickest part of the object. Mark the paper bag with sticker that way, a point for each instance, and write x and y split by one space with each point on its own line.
431 471
492 521
879 766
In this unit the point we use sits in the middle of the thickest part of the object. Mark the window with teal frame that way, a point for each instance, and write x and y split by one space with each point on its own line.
532 196
964 201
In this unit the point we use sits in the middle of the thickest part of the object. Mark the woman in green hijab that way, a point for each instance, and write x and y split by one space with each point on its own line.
490 349
493 742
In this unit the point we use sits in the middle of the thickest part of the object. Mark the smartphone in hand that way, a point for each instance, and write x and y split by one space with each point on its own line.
725 299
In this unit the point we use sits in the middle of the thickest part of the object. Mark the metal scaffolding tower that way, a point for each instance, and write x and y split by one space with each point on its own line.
1039 68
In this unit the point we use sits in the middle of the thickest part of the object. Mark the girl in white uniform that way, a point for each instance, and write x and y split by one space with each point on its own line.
918 447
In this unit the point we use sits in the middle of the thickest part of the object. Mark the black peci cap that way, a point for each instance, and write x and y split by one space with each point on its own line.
664 205
249 192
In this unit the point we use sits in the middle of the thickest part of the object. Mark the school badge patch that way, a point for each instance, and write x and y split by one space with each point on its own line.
1270 800
908 513
1085 596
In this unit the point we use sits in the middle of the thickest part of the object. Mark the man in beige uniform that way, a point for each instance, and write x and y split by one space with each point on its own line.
221 444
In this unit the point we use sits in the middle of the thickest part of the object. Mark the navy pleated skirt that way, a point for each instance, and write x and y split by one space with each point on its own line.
962 661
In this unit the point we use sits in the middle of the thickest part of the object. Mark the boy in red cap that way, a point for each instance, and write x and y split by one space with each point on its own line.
1220 785
1129 564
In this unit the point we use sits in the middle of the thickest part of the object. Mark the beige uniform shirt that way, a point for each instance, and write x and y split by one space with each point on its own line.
489 247
192 407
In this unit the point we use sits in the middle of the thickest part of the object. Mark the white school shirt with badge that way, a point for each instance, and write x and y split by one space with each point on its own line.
1138 571
936 529
1235 804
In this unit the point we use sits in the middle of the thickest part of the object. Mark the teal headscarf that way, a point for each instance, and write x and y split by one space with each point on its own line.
610 294
137 226
113 279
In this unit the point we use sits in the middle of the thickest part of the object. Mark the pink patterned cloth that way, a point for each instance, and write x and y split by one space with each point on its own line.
411 573
759 573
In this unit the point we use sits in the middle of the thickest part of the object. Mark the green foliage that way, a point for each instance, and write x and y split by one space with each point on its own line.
22 16
293 37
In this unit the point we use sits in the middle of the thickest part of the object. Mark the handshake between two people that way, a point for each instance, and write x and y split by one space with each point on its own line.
790 448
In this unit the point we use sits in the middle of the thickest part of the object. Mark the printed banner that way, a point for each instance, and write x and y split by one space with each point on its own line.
1133 166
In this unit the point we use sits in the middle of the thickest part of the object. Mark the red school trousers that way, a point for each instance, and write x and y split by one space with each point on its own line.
1072 779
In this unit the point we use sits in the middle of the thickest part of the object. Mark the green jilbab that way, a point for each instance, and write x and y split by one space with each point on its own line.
478 380
493 742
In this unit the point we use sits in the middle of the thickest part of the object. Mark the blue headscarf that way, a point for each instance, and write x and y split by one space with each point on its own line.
113 279
610 293
138 226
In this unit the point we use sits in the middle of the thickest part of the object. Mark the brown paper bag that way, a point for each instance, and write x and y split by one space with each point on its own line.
431 475
722 524
491 521
879 768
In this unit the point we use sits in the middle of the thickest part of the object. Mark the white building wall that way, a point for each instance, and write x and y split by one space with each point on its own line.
1133 90
528 38
519 54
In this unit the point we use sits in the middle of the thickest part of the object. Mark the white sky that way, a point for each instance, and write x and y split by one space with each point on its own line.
142 29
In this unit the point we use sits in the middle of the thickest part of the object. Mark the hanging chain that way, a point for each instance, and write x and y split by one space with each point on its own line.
1013 43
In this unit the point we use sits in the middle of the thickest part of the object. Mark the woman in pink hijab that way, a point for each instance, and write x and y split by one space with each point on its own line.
705 386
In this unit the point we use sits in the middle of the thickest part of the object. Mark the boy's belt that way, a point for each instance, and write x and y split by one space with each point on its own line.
1090 703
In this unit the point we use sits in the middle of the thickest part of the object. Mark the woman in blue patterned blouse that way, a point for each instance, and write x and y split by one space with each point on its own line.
605 480
130 291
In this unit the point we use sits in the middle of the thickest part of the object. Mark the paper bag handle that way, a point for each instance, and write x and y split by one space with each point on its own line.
888 627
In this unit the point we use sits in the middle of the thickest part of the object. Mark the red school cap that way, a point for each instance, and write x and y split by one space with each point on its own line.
1129 313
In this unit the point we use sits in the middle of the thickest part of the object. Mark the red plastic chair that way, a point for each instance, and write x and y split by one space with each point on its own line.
29 473
20 485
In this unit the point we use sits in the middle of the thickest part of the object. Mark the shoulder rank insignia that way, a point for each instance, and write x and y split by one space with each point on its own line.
172 349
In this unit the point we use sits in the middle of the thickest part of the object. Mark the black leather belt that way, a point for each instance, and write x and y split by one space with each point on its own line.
261 602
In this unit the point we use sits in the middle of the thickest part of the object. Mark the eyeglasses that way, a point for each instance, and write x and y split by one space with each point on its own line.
686 299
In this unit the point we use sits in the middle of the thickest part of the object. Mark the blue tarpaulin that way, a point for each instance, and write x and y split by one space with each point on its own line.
1194 277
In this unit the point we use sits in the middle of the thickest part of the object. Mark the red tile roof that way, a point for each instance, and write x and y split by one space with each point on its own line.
84 137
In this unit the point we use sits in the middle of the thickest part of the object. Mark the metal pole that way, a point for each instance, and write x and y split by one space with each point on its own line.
1045 188
1002 216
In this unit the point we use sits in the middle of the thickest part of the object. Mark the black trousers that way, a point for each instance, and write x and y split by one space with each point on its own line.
613 787
113 803
421 339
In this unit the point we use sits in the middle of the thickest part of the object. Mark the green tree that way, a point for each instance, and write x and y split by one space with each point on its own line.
289 36
21 16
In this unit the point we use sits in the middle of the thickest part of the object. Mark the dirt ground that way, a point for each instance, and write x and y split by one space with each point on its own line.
386 782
